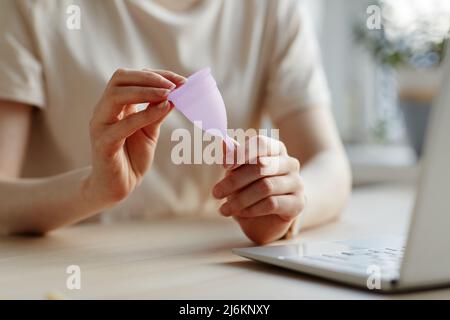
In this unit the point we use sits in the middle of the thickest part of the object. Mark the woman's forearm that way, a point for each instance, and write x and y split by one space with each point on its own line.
43 204
327 179
123 142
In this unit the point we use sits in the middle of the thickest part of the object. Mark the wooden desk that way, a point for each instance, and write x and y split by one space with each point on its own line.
189 258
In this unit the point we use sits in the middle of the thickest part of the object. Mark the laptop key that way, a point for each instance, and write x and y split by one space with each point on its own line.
388 259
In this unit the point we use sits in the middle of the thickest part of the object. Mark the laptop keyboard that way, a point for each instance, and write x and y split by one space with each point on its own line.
388 260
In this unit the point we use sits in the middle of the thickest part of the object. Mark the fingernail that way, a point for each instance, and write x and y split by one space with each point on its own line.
162 105
165 92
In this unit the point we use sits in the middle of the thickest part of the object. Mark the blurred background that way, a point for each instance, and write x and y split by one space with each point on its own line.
383 62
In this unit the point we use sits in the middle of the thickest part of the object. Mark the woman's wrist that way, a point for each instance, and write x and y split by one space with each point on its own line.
91 193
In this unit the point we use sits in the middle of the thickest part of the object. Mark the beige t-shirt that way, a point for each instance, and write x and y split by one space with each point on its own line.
263 55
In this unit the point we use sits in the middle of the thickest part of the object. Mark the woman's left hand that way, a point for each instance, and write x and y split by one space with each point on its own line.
265 194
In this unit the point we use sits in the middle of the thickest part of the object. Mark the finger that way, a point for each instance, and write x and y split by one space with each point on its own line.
286 207
151 131
229 152
134 122
247 174
144 78
117 98
171 76
231 156
254 147
259 190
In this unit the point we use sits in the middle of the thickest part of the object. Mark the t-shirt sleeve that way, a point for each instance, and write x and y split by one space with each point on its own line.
295 77
21 77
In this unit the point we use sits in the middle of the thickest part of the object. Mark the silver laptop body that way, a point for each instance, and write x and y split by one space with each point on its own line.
421 260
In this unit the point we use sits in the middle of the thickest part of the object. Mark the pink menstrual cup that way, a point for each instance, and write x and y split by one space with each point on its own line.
199 99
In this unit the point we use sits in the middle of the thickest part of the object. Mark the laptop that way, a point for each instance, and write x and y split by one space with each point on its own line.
418 261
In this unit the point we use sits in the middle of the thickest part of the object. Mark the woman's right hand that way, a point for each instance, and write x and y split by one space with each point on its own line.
123 141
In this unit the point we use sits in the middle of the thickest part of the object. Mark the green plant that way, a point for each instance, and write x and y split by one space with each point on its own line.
419 44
